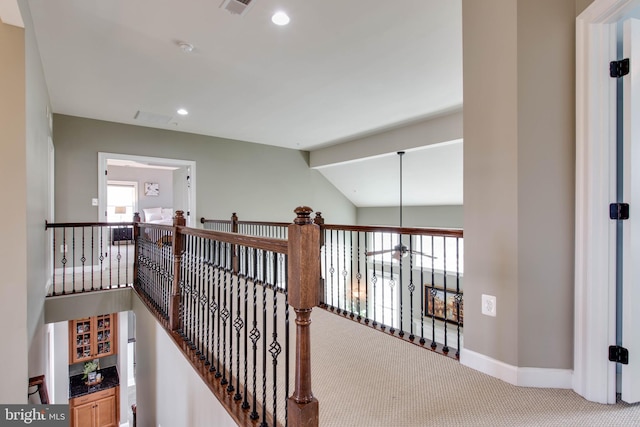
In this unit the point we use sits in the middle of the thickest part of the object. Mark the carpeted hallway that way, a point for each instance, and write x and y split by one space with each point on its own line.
365 378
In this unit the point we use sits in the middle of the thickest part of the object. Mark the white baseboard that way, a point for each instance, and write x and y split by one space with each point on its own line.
520 376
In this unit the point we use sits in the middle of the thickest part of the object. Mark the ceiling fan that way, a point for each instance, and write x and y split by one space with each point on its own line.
399 251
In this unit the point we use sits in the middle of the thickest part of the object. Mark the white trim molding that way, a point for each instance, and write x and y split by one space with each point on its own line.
519 376
594 377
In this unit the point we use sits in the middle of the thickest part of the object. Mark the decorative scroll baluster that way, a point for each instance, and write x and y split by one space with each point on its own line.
255 337
274 348
432 295
219 300
264 342
411 288
92 257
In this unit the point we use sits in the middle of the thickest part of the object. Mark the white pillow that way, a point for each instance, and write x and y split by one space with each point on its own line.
153 217
150 211
167 213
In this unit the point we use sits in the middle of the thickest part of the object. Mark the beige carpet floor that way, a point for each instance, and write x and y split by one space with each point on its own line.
363 377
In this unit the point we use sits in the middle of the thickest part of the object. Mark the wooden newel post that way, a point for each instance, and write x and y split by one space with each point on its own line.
136 237
234 223
304 271
176 246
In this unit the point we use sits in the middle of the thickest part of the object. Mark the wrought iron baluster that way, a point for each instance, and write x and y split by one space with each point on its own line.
92 256
433 297
458 297
53 263
423 301
264 344
411 288
445 348
255 337
331 269
73 257
83 259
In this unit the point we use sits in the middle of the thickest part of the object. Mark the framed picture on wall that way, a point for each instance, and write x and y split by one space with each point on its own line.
442 306
151 189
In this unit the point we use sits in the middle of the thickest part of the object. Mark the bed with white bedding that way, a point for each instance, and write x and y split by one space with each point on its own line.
162 216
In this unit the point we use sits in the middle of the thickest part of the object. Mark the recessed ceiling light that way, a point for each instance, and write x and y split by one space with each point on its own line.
185 47
280 18
182 112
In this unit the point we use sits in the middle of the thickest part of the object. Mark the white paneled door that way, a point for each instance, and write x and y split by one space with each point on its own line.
630 373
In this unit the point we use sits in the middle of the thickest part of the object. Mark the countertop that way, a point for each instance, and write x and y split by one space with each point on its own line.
78 388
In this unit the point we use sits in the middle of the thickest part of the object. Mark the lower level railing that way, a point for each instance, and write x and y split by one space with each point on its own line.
90 256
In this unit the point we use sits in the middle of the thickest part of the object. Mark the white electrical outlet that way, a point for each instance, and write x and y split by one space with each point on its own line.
63 249
489 305
94 202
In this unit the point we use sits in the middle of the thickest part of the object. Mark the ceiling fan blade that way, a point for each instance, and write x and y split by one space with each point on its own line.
379 252
423 254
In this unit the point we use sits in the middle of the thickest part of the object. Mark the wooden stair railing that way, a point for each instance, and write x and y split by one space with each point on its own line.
302 252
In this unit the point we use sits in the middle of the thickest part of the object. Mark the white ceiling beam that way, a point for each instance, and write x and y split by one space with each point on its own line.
436 130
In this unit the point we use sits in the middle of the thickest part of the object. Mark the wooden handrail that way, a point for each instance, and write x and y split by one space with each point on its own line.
48 225
444 232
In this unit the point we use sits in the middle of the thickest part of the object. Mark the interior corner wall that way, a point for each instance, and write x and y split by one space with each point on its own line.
169 392
519 132
38 132
450 216
258 182
13 175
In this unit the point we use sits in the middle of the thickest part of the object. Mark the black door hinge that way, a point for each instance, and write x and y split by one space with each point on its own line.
619 68
618 354
619 211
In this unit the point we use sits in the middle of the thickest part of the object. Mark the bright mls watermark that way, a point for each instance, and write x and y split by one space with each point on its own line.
36 415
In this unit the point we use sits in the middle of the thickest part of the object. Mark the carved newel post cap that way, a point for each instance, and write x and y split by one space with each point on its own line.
303 215
179 214
136 217
318 219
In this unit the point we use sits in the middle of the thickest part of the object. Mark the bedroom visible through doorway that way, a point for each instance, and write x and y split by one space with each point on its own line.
163 185
122 200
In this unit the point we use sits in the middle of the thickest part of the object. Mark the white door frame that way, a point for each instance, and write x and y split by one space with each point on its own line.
102 180
594 377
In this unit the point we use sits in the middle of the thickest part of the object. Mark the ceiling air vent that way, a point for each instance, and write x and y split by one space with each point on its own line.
152 118
236 7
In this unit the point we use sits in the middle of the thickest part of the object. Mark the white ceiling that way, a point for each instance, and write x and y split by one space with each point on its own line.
339 70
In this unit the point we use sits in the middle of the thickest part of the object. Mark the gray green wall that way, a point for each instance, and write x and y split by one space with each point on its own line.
519 168
258 182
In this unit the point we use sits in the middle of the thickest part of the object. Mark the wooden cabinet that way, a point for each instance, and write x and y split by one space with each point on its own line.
93 337
99 409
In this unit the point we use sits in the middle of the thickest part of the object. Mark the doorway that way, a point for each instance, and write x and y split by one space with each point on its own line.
177 192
